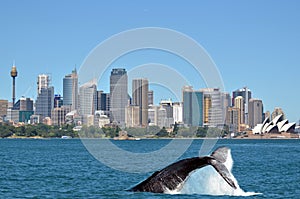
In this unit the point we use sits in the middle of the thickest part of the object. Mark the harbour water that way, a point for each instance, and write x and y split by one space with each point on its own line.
63 168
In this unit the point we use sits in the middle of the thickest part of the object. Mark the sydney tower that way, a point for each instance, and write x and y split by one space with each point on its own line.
14 74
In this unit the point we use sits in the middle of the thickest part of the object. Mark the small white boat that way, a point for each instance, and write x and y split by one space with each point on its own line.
65 137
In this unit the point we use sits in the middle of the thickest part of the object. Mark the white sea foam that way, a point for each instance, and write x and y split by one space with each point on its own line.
207 181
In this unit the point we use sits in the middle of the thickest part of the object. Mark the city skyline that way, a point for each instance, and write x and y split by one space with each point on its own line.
251 40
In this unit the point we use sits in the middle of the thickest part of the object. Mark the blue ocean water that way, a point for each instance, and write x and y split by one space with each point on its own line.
63 168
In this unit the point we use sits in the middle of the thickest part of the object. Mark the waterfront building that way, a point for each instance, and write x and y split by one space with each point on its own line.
88 98
70 90
192 106
277 125
140 88
255 112
58 115
118 95
45 102
103 102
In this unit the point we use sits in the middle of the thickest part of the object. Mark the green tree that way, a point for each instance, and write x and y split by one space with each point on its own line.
163 133
201 132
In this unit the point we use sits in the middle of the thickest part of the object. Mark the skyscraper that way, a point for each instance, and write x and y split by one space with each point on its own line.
206 107
88 98
239 103
233 119
150 98
43 81
70 90
192 107
103 102
256 111
118 95
216 113
45 102
246 94
140 89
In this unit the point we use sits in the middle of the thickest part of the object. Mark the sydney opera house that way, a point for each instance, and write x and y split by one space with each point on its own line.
277 125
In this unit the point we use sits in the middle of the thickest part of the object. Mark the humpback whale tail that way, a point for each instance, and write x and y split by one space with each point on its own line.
218 161
175 175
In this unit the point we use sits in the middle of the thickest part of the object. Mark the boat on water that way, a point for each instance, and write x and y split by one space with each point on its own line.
66 137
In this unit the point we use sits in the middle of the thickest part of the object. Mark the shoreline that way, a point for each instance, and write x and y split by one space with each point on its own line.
252 137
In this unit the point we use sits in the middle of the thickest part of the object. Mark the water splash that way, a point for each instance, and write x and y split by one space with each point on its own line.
207 181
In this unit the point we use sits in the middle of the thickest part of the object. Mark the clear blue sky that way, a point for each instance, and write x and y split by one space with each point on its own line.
253 43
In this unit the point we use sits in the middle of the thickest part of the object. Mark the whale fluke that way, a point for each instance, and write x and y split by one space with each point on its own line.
173 176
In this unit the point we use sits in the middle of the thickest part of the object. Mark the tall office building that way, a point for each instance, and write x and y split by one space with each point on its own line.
88 98
103 102
216 116
43 81
177 112
150 97
192 106
256 111
239 103
168 106
58 101
58 115
118 95
246 94
70 90
45 102
140 88
132 116
233 119
24 104
206 108
25 108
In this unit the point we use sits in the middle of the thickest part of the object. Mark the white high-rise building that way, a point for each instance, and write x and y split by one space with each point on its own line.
88 98
43 81
216 115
